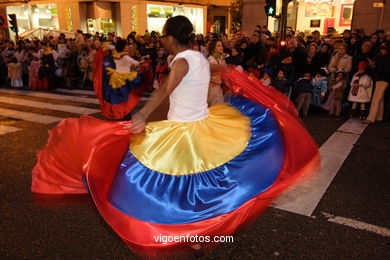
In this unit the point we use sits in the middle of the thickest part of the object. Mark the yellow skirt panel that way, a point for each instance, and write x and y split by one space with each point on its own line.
181 148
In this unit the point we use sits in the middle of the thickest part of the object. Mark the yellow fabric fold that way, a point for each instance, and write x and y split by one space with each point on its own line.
118 79
182 148
118 55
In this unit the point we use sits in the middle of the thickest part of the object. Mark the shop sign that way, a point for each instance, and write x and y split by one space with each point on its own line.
134 18
68 17
3 21
378 5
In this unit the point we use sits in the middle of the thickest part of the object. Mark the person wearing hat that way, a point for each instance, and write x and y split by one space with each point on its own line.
361 90
382 77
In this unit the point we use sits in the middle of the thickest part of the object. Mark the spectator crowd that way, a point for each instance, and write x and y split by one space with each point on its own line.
345 74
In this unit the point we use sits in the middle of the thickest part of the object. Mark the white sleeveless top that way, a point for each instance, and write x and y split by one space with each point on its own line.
123 64
188 102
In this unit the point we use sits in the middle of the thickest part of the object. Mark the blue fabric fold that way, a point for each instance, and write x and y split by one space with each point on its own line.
117 95
165 199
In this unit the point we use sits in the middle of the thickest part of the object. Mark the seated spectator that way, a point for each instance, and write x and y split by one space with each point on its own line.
266 77
281 83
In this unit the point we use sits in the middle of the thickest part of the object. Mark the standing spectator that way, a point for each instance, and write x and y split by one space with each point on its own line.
298 57
374 38
361 90
347 38
15 73
382 77
216 57
316 37
341 60
79 41
381 35
337 85
288 67
311 52
235 58
34 72
303 89
321 58
353 46
363 54
320 87
264 30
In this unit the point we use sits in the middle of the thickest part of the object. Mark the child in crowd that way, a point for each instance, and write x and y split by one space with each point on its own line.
361 90
281 83
337 85
303 89
320 87
15 73
266 77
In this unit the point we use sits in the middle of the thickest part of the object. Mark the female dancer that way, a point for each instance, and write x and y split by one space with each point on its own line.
117 84
203 172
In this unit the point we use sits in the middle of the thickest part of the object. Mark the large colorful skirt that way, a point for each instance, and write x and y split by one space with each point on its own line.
204 178
118 93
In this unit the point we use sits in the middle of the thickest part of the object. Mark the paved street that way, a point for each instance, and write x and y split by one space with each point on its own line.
343 213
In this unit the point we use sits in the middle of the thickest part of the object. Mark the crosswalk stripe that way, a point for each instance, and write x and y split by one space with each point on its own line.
357 224
43 105
4 129
77 91
303 198
51 96
36 118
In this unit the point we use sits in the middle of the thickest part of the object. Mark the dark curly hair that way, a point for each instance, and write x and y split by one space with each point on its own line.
212 45
120 45
180 28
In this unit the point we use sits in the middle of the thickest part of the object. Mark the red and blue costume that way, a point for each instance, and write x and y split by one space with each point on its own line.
204 178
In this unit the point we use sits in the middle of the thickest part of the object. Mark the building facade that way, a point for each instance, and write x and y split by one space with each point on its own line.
309 15
119 16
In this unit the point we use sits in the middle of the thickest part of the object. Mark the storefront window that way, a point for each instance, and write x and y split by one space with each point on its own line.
158 14
322 15
100 25
35 16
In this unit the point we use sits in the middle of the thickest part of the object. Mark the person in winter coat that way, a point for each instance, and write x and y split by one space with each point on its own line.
382 77
320 87
337 85
281 83
303 89
320 59
341 60
361 90
15 73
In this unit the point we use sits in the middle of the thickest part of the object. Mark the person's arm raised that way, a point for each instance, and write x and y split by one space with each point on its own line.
178 72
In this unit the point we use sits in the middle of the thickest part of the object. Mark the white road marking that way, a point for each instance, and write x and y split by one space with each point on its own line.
43 105
4 129
49 95
77 91
36 118
303 198
357 224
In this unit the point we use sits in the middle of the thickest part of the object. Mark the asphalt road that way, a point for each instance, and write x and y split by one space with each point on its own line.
40 227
